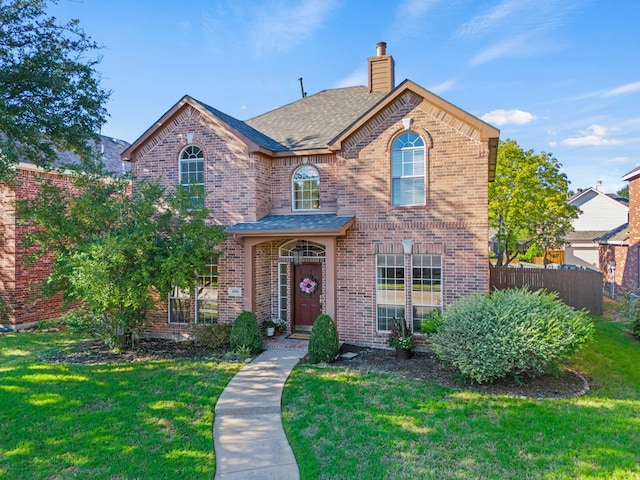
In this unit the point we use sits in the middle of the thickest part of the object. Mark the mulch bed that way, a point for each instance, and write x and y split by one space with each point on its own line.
422 366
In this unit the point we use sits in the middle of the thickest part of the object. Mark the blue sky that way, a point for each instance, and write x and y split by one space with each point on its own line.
560 76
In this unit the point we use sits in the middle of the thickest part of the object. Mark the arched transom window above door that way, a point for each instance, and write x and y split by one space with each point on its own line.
305 188
307 249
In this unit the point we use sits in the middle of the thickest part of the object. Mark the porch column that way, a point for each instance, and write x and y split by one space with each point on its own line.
249 246
331 273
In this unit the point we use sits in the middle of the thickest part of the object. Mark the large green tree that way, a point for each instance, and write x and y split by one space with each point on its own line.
528 202
50 97
116 253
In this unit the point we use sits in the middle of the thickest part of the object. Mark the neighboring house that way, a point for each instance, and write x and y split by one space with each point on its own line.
620 248
364 203
20 307
599 214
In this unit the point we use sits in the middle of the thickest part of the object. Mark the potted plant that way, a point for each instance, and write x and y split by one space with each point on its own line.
269 328
280 325
401 339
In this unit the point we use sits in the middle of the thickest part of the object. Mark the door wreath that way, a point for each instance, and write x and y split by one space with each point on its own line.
308 285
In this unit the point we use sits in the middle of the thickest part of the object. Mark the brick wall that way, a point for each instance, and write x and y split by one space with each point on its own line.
19 282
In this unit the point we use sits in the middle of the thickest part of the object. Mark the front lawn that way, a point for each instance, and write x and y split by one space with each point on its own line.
346 424
144 420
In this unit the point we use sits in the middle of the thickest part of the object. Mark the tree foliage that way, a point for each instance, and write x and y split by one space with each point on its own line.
528 202
50 98
115 253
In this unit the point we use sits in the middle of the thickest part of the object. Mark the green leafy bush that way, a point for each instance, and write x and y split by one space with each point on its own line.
246 333
323 341
115 331
216 336
431 324
510 332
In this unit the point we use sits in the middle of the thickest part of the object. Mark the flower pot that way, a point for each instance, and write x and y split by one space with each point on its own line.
277 333
403 353
270 331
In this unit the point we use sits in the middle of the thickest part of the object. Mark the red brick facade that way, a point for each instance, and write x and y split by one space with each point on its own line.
21 306
244 185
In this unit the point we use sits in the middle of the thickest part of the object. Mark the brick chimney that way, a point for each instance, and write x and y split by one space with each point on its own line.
381 70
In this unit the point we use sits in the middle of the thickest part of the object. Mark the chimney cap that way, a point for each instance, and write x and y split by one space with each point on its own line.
381 48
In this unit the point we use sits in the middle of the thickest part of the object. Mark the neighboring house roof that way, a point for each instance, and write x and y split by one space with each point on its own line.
309 224
111 149
587 193
632 174
584 236
617 236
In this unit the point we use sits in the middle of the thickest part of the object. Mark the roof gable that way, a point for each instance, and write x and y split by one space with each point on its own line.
255 140
591 193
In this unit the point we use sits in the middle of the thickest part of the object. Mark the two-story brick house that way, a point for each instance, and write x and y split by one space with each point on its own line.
365 203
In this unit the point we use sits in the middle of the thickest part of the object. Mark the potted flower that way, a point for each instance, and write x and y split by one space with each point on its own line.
401 339
280 325
269 328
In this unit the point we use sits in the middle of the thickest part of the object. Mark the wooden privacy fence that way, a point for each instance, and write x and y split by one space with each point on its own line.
577 288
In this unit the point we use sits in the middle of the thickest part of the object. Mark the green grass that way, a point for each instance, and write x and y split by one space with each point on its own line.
143 420
348 424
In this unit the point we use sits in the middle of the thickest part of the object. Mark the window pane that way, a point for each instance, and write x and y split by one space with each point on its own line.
306 188
390 296
408 170
207 295
426 287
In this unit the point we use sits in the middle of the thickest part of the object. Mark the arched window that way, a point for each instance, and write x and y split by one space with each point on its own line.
306 188
192 173
408 170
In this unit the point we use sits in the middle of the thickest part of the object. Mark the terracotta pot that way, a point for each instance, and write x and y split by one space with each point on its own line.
277 333
403 353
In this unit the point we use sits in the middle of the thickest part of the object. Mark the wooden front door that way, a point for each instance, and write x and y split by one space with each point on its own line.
307 306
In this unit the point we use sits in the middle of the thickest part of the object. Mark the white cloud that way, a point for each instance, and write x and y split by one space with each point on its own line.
592 136
618 161
508 117
409 15
512 47
623 90
358 77
442 87
281 26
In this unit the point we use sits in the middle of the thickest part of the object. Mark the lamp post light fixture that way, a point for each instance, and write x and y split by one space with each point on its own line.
407 246
297 253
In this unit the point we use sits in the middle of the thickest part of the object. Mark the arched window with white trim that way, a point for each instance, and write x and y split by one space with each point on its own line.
191 167
305 188
408 170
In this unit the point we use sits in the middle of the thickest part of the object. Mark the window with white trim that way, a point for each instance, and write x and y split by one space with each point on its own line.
283 290
390 297
204 299
305 188
408 170
207 295
426 287
191 167
422 284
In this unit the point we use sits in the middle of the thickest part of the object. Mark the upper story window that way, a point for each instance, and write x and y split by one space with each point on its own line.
306 188
192 173
408 170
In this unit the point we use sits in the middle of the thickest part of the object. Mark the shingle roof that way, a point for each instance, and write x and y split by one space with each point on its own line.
308 223
251 133
312 122
584 235
111 150
617 235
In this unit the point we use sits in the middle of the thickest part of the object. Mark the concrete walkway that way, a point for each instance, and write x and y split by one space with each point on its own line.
249 440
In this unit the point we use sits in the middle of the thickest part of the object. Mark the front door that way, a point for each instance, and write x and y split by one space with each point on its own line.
307 288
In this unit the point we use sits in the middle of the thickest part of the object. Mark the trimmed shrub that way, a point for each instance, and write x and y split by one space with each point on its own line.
510 332
216 336
323 341
246 333
431 324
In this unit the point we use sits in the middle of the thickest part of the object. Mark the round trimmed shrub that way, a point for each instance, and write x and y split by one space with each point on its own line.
323 341
216 335
246 333
510 332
